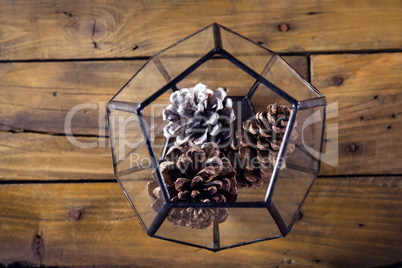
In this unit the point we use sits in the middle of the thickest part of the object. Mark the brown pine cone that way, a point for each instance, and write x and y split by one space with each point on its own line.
256 146
199 218
199 114
194 174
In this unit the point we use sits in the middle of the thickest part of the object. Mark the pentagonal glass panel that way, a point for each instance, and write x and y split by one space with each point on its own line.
132 162
219 72
300 166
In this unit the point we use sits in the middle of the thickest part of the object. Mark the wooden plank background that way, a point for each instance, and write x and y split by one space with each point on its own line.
60 205
44 29
340 227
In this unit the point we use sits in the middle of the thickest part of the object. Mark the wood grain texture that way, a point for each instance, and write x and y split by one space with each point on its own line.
37 96
44 29
30 156
365 76
341 226
59 206
369 110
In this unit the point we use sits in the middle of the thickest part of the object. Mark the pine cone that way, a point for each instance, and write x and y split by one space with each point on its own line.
194 174
199 218
256 146
199 114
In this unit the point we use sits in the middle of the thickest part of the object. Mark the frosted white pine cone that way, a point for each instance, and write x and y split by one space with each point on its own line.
199 114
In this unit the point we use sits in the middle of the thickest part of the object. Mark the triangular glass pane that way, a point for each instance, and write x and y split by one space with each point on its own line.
282 75
219 72
146 82
175 60
245 50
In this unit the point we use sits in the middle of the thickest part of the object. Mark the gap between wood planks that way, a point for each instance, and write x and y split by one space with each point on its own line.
282 54
17 130
320 177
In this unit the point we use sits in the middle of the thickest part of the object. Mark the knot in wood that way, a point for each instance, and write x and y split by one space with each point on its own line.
93 27
75 214
351 147
283 27
337 80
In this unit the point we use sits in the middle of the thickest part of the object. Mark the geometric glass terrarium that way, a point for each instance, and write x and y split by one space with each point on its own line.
216 141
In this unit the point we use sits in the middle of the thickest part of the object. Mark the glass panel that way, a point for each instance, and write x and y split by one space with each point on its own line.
245 50
146 82
153 118
263 96
166 65
195 45
132 162
308 129
290 188
247 225
178 58
218 72
301 168
287 79
181 225
217 228
136 186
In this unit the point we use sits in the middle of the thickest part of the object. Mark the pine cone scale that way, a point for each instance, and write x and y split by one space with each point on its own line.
169 171
207 173
181 183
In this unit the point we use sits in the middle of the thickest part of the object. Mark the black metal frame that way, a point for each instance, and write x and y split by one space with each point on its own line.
137 108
